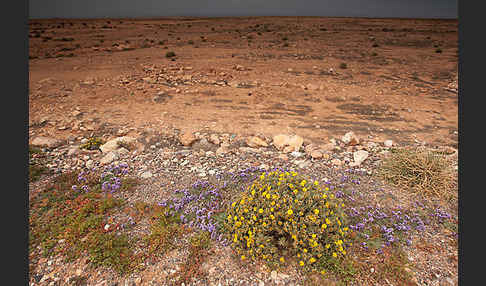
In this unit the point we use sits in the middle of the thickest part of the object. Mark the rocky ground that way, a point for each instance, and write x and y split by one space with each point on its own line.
316 77
165 162
319 95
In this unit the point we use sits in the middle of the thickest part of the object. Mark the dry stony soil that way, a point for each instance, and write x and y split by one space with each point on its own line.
315 77
395 84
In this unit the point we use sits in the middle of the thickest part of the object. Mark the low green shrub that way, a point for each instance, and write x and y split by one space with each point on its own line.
282 216
92 144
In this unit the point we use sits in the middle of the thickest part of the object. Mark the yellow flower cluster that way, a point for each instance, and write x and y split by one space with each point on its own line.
282 215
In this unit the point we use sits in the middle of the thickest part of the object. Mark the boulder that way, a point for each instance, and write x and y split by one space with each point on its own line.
296 142
288 143
280 141
256 142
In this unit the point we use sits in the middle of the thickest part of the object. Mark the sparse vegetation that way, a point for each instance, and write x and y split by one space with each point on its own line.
170 54
93 143
284 218
229 218
164 230
70 217
37 161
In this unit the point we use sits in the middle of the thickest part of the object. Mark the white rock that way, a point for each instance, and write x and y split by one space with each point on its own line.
296 154
108 158
123 151
350 139
46 141
90 164
113 144
360 156
388 143
274 275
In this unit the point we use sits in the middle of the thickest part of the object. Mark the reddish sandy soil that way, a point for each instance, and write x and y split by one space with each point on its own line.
399 83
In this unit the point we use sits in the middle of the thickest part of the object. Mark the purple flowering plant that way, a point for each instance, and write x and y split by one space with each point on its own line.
202 205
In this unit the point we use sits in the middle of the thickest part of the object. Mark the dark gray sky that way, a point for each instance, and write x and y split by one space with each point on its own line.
161 8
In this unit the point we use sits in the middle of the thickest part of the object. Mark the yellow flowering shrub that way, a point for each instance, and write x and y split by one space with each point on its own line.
283 217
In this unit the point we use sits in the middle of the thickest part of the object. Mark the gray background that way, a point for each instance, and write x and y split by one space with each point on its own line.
213 8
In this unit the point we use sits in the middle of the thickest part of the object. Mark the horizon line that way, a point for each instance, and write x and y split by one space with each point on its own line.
237 16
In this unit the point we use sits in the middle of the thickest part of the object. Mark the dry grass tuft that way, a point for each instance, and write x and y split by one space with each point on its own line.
420 171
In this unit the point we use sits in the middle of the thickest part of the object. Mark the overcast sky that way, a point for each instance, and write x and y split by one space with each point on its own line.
164 8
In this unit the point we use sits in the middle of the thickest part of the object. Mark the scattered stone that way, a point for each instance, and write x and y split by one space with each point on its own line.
336 162
203 145
279 141
350 139
214 139
310 147
282 141
113 144
302 163
46 142
222 150
296 154
249 150
108 158
316 154
239 68
187 138
388 143
255 141
283 157
312 86
73 151
328 147
161 97
274 275
90 164
359 157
